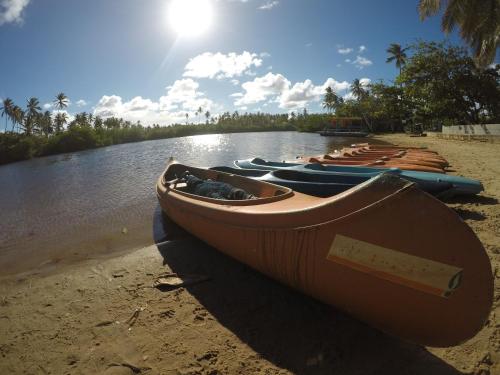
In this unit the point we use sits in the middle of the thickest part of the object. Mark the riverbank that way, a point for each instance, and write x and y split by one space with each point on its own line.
103 316
17 147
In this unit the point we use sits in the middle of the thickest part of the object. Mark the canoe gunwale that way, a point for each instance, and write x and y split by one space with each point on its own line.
378 182
170 186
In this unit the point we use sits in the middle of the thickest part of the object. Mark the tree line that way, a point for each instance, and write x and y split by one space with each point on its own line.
437 85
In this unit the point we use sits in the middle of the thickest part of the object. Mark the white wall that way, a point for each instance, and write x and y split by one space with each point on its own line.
486 129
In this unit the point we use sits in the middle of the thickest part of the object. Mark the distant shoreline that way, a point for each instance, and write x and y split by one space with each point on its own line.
16 147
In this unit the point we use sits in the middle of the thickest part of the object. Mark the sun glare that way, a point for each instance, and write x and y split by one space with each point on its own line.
190 17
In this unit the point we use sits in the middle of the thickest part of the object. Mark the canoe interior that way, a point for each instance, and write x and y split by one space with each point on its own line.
241 172
265 192
294 175
263 162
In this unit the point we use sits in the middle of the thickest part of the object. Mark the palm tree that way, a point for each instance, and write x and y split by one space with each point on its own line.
61 101
331 100
207 115
478 20
397 54
81 119
7 107
45 122
60 119
32 109
33 106
358 90
17 116
97 122
187 118
199 111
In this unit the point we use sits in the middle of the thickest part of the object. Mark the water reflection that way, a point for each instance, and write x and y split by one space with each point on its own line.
62 200
206 142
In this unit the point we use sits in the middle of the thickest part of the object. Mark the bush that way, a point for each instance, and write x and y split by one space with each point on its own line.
75 139
16 147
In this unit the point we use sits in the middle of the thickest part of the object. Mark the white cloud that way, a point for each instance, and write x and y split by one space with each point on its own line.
302 93
109 106
47 106
361 49
12 10
365 81
339 65
261 88
362 62
269 5
344 51
277 88
219 65
182 97
235 82
81 103
347 60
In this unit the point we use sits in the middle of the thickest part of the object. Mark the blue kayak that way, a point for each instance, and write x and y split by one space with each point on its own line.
435 183
319 185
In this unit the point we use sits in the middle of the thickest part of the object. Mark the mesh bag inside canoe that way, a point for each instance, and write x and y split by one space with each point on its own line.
214 189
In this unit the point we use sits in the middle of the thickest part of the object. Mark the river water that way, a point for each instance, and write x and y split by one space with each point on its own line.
85 204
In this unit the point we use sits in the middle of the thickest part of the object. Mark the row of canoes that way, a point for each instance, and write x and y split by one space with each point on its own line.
376 246
327 179
371 156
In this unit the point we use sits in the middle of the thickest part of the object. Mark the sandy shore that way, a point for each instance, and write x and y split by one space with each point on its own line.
103 316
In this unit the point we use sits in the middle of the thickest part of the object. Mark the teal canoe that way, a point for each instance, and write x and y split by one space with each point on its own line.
439 184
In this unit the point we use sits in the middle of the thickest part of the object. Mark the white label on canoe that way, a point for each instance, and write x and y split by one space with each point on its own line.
415 272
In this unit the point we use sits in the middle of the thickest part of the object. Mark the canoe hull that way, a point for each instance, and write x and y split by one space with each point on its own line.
296 241
434 183
317 184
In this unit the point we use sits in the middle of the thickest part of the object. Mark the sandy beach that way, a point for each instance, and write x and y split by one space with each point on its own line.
103 315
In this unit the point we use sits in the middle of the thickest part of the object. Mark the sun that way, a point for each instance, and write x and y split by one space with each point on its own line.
190 18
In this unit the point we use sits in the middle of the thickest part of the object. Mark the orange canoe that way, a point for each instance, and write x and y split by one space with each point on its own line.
381 163
398 158
387 147
383 251
395 153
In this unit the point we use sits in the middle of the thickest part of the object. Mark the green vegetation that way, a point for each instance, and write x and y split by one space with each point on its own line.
478 21
43 135
438 84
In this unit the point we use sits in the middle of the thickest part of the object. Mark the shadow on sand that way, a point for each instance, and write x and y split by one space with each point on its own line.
285 327
478 199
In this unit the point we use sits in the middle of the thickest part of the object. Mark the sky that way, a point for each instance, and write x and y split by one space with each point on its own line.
150 60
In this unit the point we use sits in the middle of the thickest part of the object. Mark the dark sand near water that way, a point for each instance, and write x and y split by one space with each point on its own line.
102 316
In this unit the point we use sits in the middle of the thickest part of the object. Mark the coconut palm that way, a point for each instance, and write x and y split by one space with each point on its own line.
331 100
199 111
45 122
60 120
207 115
187 118
81 119
32 108
17 116
61 101
7 107
478 20
358 90
397 54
